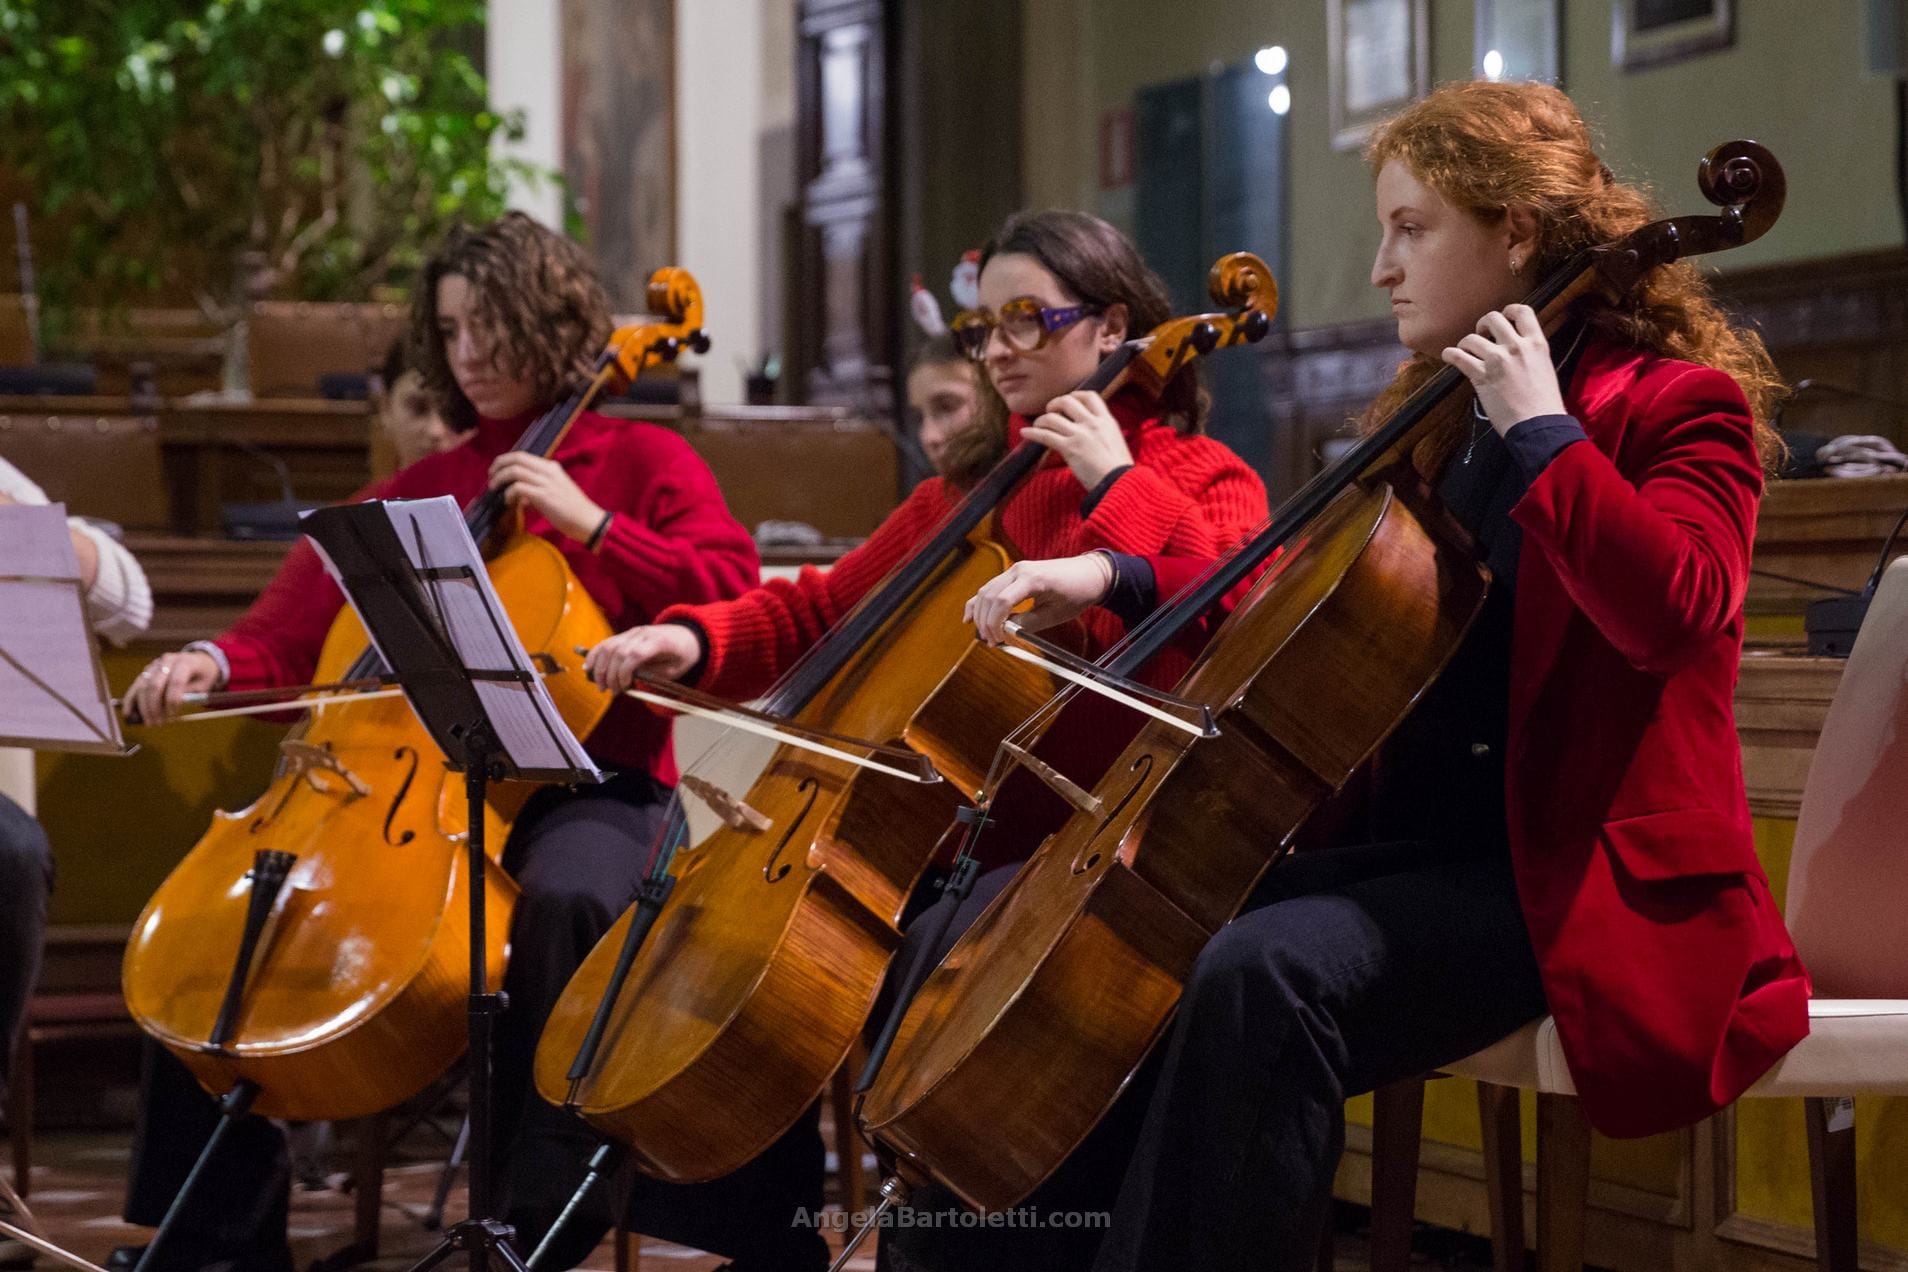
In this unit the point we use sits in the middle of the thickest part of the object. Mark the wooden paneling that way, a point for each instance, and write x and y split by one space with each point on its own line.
1842 320
1316 381
828 467
292 344
176 351
102 454
172 469
103 464
1821 530
16 334
200 586
1781 703
847 316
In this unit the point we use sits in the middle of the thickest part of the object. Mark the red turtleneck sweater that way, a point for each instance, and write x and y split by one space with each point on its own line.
1186 501
672 540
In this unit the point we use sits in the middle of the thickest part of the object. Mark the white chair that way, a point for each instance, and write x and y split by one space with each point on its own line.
1848 893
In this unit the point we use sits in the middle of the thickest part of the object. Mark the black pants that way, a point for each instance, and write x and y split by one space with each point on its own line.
26 884
1351 967
937 1233
577 858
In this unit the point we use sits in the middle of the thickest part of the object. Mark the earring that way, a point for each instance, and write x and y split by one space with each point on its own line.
1517 267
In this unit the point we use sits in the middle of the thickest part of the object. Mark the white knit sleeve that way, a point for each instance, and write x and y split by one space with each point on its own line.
120 601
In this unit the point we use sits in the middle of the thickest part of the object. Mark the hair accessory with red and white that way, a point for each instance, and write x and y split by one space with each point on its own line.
965 285
926 310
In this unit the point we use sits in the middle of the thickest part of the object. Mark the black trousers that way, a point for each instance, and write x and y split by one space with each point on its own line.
577 857
1350 968
26 885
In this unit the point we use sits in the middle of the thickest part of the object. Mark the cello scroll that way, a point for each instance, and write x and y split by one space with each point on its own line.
1241 282
1743 178
675 298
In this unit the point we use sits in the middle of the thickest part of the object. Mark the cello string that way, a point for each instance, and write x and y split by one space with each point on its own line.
744 724
1094 685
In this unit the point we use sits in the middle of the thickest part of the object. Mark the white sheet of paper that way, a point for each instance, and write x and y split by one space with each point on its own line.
529 728
52 693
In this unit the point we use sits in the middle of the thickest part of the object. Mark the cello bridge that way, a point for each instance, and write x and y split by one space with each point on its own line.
735 814
303 759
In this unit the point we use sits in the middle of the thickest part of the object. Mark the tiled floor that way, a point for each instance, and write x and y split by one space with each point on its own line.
78 1179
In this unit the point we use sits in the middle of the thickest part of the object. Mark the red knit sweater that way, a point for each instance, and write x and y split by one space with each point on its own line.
672 540
1186 501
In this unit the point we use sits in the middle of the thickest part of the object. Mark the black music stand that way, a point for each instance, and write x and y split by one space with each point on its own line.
414 576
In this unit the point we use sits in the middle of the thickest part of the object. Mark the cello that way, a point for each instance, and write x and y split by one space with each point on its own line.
1023 1037
311 947
713 1015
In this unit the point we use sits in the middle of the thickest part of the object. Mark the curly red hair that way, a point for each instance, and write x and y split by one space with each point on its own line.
1486 146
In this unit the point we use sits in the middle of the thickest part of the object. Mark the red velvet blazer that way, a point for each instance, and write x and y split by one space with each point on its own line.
1672 978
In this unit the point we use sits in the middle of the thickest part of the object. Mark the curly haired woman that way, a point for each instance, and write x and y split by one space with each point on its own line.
1561 824
507 321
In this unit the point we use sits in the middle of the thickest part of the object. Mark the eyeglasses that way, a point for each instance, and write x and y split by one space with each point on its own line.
1024 323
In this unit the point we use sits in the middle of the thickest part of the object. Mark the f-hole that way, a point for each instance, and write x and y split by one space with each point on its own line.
770 871
1089 855
410 753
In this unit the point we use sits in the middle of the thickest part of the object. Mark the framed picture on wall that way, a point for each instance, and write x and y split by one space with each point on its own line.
1655 32
1520 40
1380 62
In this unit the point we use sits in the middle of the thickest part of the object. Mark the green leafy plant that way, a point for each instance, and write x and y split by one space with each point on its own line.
226 149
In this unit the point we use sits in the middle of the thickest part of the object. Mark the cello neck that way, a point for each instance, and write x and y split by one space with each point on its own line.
1385 449
540 439
853 633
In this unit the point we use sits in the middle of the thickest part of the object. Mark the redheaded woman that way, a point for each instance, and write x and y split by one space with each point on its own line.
1560 825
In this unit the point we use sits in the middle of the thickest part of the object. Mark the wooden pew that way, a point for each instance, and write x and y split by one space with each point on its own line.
1826 531
172 466
291 345
829 467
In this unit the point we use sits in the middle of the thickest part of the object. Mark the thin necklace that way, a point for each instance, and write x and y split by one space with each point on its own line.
1479 420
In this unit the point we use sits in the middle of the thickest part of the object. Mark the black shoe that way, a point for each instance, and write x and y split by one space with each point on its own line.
182 1258
808 1259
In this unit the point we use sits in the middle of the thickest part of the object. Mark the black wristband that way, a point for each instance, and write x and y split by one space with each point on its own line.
595 540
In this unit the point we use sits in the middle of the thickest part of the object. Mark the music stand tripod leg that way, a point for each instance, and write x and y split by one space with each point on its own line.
483 1236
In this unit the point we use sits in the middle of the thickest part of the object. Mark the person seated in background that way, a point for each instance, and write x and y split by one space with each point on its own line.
946 394
405 410
119 604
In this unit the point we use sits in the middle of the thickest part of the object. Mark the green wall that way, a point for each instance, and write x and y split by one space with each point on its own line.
1795 81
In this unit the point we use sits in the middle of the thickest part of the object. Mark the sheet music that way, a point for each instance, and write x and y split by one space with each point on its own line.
53 695
529 728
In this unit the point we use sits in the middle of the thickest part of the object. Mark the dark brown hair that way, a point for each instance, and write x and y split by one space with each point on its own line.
1485 146
1100 266
531 287
988 429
